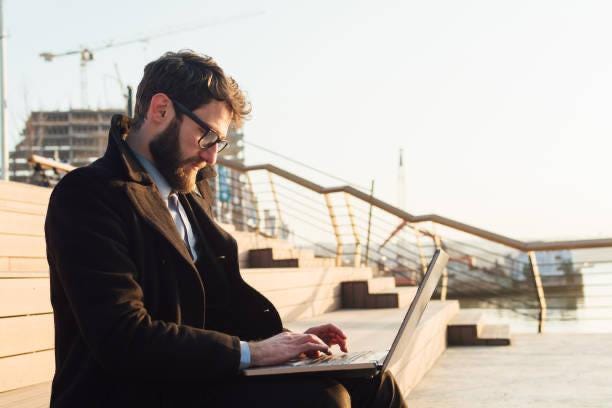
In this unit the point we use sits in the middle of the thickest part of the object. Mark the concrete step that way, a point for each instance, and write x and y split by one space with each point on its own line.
468 328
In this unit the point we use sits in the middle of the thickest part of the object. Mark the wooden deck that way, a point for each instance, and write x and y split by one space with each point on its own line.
33 396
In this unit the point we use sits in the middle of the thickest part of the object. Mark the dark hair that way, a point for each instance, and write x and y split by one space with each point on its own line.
193 80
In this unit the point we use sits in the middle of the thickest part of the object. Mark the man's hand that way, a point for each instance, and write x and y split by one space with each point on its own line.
330 334
285 346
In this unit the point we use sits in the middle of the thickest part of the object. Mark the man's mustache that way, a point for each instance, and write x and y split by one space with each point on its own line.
194 161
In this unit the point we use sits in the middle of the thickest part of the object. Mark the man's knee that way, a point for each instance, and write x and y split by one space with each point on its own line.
379 391
271 392
323 392
336 395
389 393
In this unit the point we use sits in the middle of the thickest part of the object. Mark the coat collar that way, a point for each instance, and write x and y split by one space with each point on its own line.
140 188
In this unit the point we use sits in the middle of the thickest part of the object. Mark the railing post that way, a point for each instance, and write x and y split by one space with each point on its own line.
357 257
277 204
537 281
444 290
334 222
422 259
254 202
367 251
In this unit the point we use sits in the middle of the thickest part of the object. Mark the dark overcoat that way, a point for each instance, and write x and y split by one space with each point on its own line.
131 326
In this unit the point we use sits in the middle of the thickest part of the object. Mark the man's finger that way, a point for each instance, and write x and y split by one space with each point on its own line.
336 330
313 354
343 346
341 342
311 347
315 339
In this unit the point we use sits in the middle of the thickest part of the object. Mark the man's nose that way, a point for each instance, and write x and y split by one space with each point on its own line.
209 155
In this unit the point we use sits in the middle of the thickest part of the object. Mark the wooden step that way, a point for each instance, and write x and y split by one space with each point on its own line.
376 329
429 344
465 327
32 396
285 253
316 262
303 292
405 294
23 264
381 283
494 335
249 240
468 328
229 228
275 257
13 191
359 294
264 258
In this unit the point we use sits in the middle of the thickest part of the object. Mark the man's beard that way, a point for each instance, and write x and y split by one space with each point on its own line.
166 152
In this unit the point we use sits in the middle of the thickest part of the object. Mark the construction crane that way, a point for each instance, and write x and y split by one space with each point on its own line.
87 53
127 95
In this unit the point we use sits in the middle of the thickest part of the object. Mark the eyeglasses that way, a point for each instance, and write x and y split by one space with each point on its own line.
210 137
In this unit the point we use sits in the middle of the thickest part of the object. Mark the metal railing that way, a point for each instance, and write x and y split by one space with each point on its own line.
485 266
541 281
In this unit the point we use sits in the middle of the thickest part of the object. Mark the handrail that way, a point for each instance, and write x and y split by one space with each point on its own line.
46 163
459 226
488 235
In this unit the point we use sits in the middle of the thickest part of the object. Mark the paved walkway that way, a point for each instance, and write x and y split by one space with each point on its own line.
549 370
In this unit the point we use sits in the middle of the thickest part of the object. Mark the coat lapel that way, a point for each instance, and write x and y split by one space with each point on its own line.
215 236
151 208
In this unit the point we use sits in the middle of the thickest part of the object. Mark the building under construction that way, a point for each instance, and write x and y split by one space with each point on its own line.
77 137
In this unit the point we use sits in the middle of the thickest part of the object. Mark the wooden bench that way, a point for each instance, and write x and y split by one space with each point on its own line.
26 319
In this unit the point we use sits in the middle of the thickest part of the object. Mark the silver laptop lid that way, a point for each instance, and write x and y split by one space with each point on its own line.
405 334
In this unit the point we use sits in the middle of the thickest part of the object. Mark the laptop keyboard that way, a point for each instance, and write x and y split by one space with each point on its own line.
336 359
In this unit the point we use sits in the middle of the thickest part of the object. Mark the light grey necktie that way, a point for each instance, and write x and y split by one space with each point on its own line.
181 225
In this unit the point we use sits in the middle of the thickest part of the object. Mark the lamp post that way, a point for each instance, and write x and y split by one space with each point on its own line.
3 115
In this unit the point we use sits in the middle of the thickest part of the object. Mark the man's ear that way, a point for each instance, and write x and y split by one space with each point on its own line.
160 110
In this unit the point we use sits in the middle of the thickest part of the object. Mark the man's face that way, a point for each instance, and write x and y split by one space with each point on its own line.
176 152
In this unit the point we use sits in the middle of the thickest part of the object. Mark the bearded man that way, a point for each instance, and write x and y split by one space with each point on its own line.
149 305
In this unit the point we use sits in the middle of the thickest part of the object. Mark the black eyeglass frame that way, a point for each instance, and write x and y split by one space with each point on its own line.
205 127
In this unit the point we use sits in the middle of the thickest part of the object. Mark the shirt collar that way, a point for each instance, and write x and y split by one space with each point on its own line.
159 180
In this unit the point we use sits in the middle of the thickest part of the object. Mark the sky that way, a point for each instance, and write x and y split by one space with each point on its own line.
502 108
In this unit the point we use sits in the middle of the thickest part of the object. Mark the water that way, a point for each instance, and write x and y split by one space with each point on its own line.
580 311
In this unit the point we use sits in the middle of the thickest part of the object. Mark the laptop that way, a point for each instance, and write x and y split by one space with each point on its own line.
368 363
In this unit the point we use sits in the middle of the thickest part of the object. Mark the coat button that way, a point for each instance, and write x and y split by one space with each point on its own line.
163 261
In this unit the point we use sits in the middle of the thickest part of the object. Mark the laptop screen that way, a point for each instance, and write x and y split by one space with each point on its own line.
405 334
